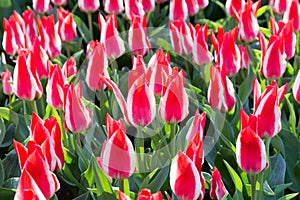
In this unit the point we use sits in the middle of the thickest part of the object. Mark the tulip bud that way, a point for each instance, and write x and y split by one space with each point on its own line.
66 25
203 3
184 177
245 60
201 53
217 189
29 23
134 8
9 42
296 88
220 91
88 6
7 82
178 10
279 6
145 194
148 5
293 14
41 6
69 67
113 6
234 6
39 59
59 2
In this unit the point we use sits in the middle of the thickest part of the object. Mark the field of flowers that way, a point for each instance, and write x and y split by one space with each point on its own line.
150 99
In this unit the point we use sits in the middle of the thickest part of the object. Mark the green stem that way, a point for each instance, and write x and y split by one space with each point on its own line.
172 139
77 138
63 131
253 186
114 64
68 49
140 149
90 25
187 68
121 185
33 106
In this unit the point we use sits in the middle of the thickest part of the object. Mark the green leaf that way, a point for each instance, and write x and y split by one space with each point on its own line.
280 188
11 165
235 177
5 3
292 118
278 168
262 10
289 196
2 173
245 88
297 173
6 193
159 180
89 174
83 29
2 132
9 115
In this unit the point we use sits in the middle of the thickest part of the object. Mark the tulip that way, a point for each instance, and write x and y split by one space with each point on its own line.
181 37
184 177
148 5
201 53
48 135
18 32
174 103
113 125
192 6
292 14
248 24
59 2
227 52
250 151
133 8
77 117
50 39
90 48
69 68
203 3
286 31
217 189
273 57
97 67
27 86
113 6
39 58
7 82
66 25
36 179
138 69
29 23
178 10
113 43
88 6
9 41
138 35
279 6
145 194
158 70
296 87
54 87
234 6
220 91
117 147
245 60
267 108
41 6
197 127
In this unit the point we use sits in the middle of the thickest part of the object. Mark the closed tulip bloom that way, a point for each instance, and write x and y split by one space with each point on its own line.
148 5
17 26
138 35
41 6
181 37
174 103
228 54
145 194
267 109
7 82
286 31
250 151
88 6
113 6
178 10
54 87
193 7
293 14
50 39
39 59
36 179
245 60
59 2
133 8
77 116
66 25
203 3
97 67
296 88
248 24
9 42
220 91
273 57
114 45
158 70
69 67
118 147
201 53
48 135
279 6
184 178
233 6
217 189
27 85
29 23
90 48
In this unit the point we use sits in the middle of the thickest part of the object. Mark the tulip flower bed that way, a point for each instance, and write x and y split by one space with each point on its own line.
145 99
